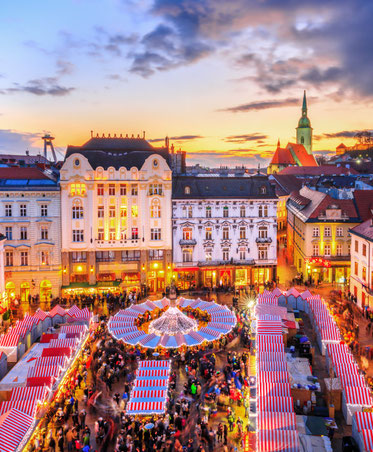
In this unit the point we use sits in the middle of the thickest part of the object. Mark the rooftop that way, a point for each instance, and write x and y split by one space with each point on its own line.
327 170
364 230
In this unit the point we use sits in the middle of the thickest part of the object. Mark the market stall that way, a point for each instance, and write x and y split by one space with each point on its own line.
12 345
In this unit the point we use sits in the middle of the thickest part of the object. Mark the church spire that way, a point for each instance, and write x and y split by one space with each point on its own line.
278 143
304 106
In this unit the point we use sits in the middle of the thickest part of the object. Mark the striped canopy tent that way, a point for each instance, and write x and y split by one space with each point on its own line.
72 343
367 439
57 310
44 371
40 315
73 311
269 347
306 294
123 313
151 395
276 421
168 341
263 339
358 396
293 298
148 373
19 329
268 366
352 380
28 407
268 356
277 292
364 420
270 389
145 407
268 309
163 364
51 361
122 323
278 440
35 393
134 337
346 368
273 377
10 340
223 327
150 305
210 333
279 404
267 299
73 329
150 340
139 308
153 383
56 351
13 427
45 320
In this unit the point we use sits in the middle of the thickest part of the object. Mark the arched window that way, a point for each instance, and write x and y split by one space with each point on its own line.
77 189
99 172
111 172
77 210
134 174
155 209
10 289
123 173
187 190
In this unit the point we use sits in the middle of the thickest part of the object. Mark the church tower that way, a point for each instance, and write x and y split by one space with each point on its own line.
304 129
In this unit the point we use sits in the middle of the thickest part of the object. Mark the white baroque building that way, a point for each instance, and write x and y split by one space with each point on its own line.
224 231
116 216
30 221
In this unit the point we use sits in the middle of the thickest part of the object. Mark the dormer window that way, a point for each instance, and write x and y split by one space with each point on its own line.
263 190
187 190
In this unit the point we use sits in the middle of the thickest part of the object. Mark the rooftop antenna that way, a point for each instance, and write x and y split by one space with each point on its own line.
48 142
91 133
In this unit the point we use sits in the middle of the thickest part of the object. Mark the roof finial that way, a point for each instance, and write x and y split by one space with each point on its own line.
278 143
304 106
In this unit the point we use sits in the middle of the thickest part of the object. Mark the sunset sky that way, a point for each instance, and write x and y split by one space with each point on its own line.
224 79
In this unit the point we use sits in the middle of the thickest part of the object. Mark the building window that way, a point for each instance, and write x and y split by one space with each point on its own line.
263 190
123 211
339 249
123 190
187 234
100 190
316 232
225 254
156 255
242 211
135 233
44 210
24 258
262 252
339 232
187 255
123 234
155 189
155 234
105 256
187 190
77 211
263 211
364 273
44 258
9 259
100 212
111 234
208 255
155 209
327 250
263 232
327 231
225 211
349 249
208 212
112 212
133 255
315 250
208 233
364 250
242 255
356 246
134 211
356 269
226 233
9 232
184 212
101 234
23 210
8 210
134 190
111 189
78 235
242 232
23 233
190 212
79 256
77 189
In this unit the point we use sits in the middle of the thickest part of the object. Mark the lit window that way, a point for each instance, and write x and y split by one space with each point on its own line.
187 190
364 273
187 255
339 249
316 232
327 250
44 258
135 211
77 189
315 250
327 231
100 190
155 189
339 232
134 190
155 209
123 211
187 234
242 232
208 232
135 233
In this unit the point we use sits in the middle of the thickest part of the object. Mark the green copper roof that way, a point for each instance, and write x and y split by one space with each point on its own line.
304 121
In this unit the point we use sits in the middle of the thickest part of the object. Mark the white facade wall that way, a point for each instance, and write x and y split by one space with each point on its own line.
361 279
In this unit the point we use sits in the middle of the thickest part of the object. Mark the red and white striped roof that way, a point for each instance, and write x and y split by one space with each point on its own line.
368 440
164 363
73 329
346 368
32 393
51 361
358 396
270 348
58 343
26 406
153 372
267 299
364 420
10 340
270 389
292 291
269 356
273 404
273 377
43 371
151 383
13 427
276 421
148 394
41 315
145 407
57 310
352 380
271 366
19 329
278 440
73 311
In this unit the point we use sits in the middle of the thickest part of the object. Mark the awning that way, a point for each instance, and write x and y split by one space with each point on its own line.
276 421
364 420
26 406
145 407
77 285
279 404
186 269
13 427
35 393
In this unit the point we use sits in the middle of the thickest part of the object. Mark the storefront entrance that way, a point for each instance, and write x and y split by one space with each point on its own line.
45 290
25 292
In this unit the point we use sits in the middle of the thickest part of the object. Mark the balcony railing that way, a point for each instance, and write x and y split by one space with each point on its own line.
189 242
228 262
116 243
263 240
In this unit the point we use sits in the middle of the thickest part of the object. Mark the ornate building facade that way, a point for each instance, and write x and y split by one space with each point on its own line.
116 216
224 231
30 221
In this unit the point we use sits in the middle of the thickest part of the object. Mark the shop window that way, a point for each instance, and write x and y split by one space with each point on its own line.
132 255
155 255
105 256
79 256
45 290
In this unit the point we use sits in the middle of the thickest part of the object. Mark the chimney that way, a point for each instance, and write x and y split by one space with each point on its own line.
166 142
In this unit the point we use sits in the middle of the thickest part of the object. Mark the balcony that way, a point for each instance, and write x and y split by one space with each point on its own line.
117 243
263 240
345 257
228 262
190 242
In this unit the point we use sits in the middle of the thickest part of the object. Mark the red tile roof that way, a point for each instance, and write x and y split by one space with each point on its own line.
282 157
22 173
364 203
346 205
365 229
301 154
327 170
342 146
